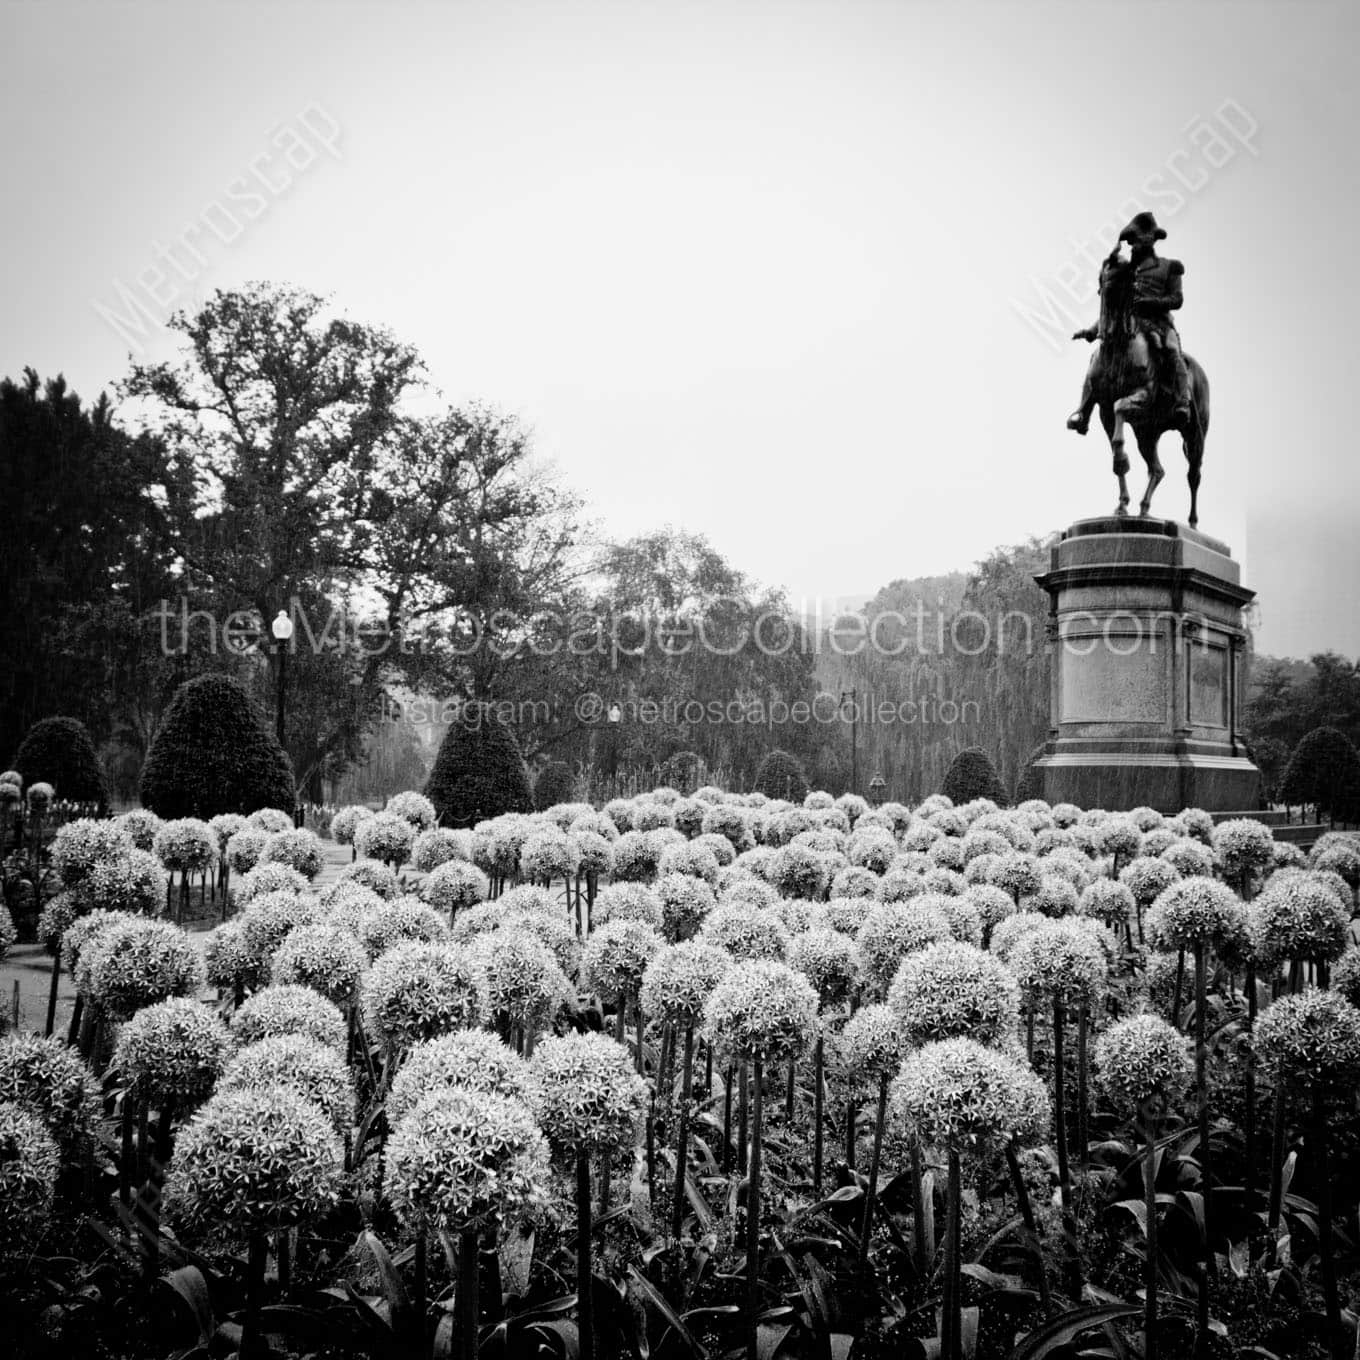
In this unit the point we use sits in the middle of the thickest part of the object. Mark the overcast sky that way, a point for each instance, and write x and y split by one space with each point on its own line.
798 276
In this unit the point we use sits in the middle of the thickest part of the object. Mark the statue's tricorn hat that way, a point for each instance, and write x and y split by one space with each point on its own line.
1143 227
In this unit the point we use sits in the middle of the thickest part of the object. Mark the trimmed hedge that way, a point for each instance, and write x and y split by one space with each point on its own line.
214 752
478 773
1324 770
58 751
781 775
970 775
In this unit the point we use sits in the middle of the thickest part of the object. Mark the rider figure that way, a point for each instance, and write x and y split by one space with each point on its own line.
1155 292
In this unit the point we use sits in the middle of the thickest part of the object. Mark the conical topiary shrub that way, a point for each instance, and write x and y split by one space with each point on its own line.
478 773
1324 770
214 753
781 775
58 751
970 775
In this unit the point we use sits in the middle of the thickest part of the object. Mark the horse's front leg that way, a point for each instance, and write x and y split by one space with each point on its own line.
1121 462
1155 474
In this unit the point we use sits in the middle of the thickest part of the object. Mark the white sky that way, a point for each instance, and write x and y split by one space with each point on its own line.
748 268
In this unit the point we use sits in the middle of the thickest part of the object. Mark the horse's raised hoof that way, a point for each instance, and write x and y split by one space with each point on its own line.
1078 422
1122 509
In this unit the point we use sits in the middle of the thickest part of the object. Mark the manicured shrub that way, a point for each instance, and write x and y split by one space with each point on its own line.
59 752
1324 770
970 775
781 775
478 774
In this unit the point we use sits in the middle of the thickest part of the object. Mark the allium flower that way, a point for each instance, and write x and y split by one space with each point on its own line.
799 916
652 815
1109 901
627 902
1189 858
829 961
1141 1062
730 822
29 1163
40 795
453 885
635 858
8 933
1346 975
253 1160
1195 823
298 849
271 819
1065 814
854 882
1295 918
762 1010
585 1093
1242 847
965 923
718 846
1008 933
414 808
140 826
1147 878
1194 912
439 846
324 957
289 1009
315 1071
269 918
616 956
465 1160
963 1095
346 821
548 854
947 853
79 940
899 885
781 827
385 837
244 848
139 962
229 962
693 858
523 981
746 932
56 918
407 918
1120 837
1335 884
951 990
1288 856
1054 838
186 844
1311 1040
993 905
852 805
1341 856
944 882
173 1051
1070 864
473 1059
80 845
983 842
1157 840
685 903
49 1079
1019 836
372 874
680 978
890 933
871 1046
1053 897
1060 963
1016 873
872 848
415 991
738 888
267 878
920 835
847 914
797 871
948 821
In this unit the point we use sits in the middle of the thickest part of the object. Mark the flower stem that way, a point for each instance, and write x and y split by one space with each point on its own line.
753 1216
1031 1227
585 1310
866 1228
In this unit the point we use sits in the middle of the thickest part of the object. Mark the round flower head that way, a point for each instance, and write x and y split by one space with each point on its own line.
626 902
797 871
965 924
186 843
56 918
299 849
400 921
1311 1041
944 882
346 821
871 1046
947 853
8 933
1158 839
829 961
872 848
1142 1063
244 848
385 837
80 845
271 819
798 916
1346 975
251 1160
685 903
1109 901
547 855
29 1163
80 938
651 815
762 1010
264 879
326 958
465 1160
635 858
40 795
1059 963
1335 884
852 805
854 882
680 978
416 990
691 858
993 905
730 822
229 962
45 1076
1119 837
522 980
596 853
1189 858
1194 912
1016 873
890 933
616 956
846 915
983 842
314 1070
899 885
289 1009
140 962
1243 847
689 816
172 1052
963 1095
1008 933
746 932
271 916
414 808
454 885
1339 857
140 827
950 989
1053 838
224 826
473 1059
719 847
585 1093
439 846
372 874
739 886
1295 918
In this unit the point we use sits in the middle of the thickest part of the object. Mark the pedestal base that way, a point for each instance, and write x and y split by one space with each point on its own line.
1145 639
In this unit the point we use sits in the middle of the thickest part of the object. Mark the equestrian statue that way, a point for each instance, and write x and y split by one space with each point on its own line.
1139 377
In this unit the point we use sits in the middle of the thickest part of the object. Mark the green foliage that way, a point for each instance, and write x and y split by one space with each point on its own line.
556 783
59 751
970 775
685 770
212 753
479 773
1324 770
781 775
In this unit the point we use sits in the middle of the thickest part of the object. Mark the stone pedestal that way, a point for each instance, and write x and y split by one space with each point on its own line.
1145 640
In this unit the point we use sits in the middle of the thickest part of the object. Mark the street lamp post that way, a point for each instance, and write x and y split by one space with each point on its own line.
852 695
615 717
282 628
